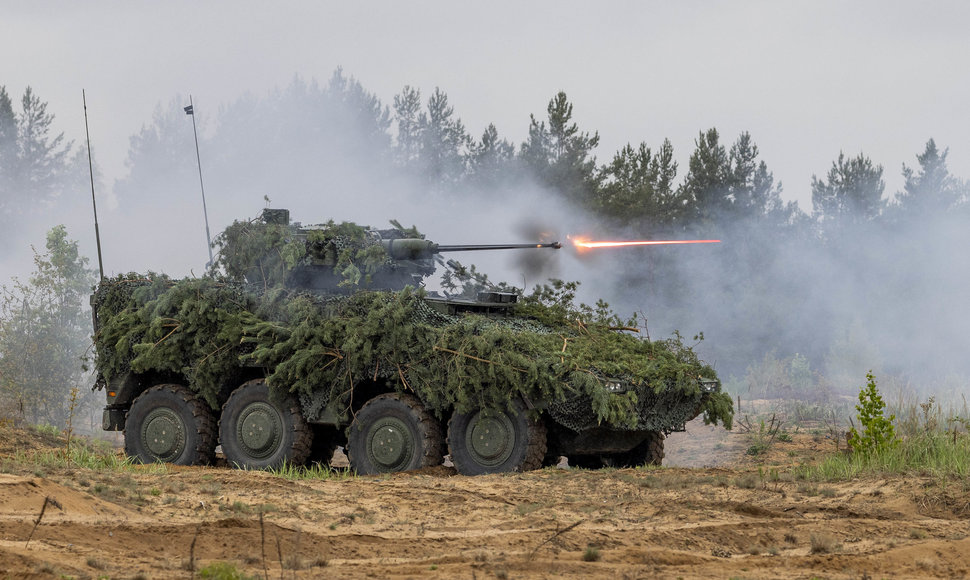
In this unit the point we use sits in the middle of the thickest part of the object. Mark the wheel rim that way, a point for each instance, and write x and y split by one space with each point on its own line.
163 433
490 438
390 445
259 430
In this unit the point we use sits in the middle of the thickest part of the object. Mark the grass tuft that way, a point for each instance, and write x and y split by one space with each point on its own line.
592 554
312 471
823 543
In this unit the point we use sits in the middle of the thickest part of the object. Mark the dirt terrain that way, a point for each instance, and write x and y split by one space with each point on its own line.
739 517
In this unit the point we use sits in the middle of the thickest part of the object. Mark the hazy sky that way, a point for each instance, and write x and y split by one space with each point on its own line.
807 79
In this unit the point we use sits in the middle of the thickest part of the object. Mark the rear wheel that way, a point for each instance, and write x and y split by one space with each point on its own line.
170 424
496 441
258 431
394 432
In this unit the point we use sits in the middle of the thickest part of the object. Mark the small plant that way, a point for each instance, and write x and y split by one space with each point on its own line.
877 430
48 430
917 534
592 554
294 562
528 507
210 488
762 438
222 571
748 481
236 507
96 564
824 544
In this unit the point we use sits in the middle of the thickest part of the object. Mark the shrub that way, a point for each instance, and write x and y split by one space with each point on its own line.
877 430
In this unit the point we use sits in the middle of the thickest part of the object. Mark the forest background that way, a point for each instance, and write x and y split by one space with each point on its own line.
795 302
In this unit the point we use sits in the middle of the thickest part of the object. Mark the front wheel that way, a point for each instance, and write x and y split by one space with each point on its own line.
170 424
258 431
393 432
495 441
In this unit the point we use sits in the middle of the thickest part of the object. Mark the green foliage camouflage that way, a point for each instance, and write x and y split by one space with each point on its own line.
267 253
321 347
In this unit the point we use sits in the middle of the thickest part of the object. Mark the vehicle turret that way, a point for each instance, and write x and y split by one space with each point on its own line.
335 257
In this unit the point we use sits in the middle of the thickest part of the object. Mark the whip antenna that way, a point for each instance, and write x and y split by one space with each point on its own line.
190 110
97 232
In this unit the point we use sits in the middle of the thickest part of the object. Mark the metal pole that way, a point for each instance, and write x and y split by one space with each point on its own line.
205 212
97 232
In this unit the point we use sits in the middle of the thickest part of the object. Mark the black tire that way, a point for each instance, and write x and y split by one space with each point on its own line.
394 432
262 432
649 452
495 442
168 423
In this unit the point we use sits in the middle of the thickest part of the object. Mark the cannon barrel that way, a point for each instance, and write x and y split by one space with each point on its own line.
417 249
472 247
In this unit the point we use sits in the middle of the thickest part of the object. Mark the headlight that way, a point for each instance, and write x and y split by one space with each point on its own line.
709 385
615 387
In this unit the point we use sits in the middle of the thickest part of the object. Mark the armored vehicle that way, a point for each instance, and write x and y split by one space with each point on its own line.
304 338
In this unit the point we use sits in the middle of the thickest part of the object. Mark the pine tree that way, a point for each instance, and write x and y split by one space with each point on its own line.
491 159
444 142
407 110
42 157
162 148
35 165
637 189
8 147
560 154
431 144
707 183
850 195
725 187
931 189
752 190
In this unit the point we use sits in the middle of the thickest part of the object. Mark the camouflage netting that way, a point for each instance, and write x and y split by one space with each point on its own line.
321 346
267 254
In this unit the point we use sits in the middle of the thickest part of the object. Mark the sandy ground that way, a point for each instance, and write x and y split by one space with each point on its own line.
733 516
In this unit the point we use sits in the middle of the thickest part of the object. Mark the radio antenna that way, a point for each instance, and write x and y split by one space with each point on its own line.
190 110
94 202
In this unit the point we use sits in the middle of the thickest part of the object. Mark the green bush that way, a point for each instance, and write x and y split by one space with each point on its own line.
877 430
223 571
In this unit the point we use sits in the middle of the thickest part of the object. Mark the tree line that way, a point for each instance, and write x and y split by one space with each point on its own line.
853 282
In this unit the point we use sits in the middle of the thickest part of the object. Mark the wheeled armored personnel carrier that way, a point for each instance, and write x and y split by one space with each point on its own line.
304 338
